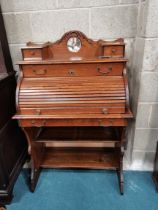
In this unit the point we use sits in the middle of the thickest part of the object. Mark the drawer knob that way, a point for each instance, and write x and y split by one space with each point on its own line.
104 72
44 122
33 122
40 72
100 123
105 111
113 50
71 72
38 111
111 122
33 53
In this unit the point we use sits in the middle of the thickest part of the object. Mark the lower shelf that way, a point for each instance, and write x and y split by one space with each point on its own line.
80 158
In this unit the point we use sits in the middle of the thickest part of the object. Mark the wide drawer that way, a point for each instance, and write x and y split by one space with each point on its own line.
67 70
73 110
72 122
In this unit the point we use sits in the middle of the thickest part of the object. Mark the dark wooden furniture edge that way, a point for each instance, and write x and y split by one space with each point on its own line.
155 173
11 171
4 44
155 181
6 195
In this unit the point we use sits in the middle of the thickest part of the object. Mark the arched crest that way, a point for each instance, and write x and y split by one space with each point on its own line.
74 33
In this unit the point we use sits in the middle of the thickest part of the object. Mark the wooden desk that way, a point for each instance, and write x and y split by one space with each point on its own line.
73 104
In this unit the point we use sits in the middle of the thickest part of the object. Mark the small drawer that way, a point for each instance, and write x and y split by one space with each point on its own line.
73 70
32 54
35 53
113 51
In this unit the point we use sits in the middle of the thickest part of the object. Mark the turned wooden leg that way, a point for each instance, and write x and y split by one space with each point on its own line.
36 151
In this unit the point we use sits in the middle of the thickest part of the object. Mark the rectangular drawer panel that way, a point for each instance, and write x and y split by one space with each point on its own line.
35 54
67 70
32 54
73 110
72 122
113 51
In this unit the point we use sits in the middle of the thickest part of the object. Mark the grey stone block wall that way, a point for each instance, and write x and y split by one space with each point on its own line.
145 131
47 20
134 20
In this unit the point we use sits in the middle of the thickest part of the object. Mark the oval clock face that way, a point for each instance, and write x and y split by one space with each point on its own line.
74 44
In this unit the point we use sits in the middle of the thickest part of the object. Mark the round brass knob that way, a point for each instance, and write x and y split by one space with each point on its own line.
71 72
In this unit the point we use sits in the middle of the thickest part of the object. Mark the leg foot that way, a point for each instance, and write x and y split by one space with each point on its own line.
121 181
121 188
155 180
34 178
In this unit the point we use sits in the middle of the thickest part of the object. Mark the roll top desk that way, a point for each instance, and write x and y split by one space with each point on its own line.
73 104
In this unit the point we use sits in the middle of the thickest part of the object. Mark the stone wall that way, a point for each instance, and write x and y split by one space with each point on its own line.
145 86
133 20
43 20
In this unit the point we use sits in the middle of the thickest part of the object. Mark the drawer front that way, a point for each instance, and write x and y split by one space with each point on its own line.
113 51
72 70
32 54
72 122
73 110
